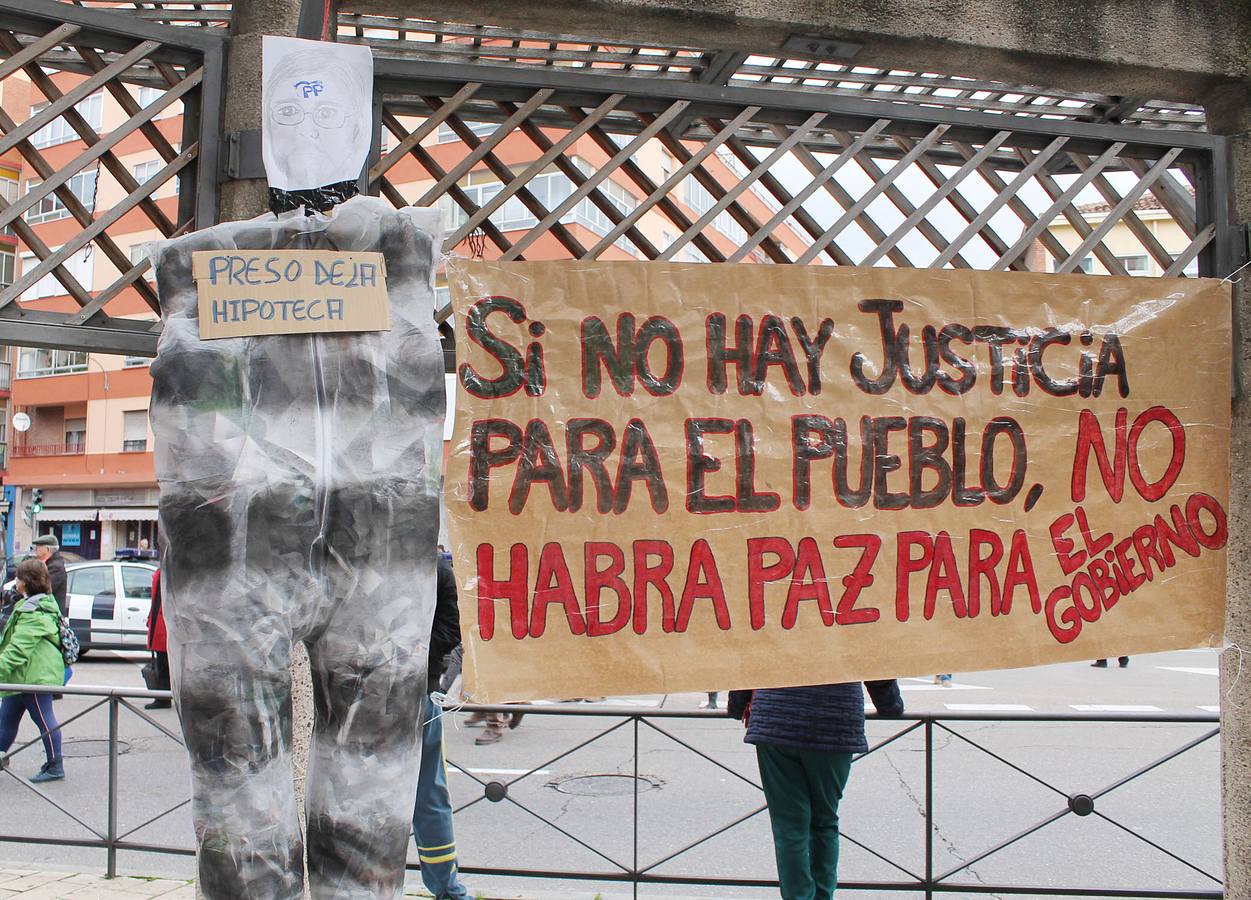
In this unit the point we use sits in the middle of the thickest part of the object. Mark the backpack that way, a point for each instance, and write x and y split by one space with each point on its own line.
68 643
70 648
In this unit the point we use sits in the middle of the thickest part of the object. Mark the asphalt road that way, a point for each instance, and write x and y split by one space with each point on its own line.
979 801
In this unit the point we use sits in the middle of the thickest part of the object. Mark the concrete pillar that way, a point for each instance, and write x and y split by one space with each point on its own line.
250 20
1229 112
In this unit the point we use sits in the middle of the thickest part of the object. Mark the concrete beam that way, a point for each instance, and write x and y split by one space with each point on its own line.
1165 49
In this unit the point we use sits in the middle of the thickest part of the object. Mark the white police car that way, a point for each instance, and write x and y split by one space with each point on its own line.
109 602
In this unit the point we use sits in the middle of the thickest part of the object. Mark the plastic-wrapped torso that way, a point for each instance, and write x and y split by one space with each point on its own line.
299 483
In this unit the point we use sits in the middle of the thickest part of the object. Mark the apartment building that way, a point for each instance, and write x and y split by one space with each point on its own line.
10 175
1123 243
88 445
88 448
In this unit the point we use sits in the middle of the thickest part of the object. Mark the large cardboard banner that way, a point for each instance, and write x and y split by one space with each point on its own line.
695 477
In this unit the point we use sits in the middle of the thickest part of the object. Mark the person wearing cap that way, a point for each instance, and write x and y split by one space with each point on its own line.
48 552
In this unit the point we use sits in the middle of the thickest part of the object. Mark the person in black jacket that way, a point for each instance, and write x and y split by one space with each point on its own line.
432 812
48 551
805 739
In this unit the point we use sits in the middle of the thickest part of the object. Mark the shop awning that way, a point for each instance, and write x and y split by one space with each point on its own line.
128 514
68 514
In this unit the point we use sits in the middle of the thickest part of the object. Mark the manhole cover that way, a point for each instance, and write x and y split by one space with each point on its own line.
81 747
604 785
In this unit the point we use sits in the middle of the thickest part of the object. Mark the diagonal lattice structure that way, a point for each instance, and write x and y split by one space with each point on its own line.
572 146
972 205
159 76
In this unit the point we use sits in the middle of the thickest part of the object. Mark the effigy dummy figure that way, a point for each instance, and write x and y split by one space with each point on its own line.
299 483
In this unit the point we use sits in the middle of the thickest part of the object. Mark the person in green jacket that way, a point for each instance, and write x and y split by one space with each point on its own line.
30 653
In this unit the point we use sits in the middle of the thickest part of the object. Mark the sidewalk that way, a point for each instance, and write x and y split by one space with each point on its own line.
30 885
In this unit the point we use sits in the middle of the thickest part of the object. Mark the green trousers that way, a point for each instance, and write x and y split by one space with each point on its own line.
802 789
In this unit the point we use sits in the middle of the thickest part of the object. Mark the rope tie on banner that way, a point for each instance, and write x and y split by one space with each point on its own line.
1242 655
1230 279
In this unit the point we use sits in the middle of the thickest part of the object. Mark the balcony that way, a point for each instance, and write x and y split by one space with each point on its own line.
27 451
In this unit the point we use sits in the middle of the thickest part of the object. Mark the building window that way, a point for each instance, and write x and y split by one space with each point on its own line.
149 95
58 131
481 188
700 199
139 253
1136 265
9 191
35 362
1087 264
668 165
8 265
481 129
135 431
75 435
550 189
145 170
81 265
82 186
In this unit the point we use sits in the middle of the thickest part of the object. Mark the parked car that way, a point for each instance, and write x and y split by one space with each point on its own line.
109 602
134 554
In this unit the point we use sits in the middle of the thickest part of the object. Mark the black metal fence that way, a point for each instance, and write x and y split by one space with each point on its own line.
639 869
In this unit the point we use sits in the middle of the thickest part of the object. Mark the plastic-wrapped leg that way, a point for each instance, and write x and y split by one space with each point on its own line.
236 716
363 766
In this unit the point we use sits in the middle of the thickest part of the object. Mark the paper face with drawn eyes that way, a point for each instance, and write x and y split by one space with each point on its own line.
317 108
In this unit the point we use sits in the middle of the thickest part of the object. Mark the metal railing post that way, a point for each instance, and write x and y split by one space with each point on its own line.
635 865
112 830
929 809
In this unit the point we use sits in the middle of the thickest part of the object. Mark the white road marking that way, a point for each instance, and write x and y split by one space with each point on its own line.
1214 709
455 769
607 701
988 707
1111 707
951 686
1193 670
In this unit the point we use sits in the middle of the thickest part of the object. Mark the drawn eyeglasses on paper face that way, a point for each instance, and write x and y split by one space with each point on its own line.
325 114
